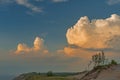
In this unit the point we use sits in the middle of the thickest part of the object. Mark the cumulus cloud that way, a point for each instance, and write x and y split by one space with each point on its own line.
57 1
38 45
112 2
22 48
96 34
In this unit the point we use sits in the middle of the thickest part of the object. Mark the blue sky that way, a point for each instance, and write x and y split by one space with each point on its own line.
21 21
53 21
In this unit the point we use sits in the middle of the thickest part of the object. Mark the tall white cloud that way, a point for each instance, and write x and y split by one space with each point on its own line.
97 33
38 45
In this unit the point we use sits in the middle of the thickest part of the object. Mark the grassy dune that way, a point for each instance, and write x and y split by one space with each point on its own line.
47 78
36 76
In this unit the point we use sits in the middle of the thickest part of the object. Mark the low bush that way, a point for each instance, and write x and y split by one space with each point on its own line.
49 73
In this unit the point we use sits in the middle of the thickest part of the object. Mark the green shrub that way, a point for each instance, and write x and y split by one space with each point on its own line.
113 62
49 73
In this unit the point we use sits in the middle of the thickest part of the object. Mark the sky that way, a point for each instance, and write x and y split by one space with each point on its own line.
57 35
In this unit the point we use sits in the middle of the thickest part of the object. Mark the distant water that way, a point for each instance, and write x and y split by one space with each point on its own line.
6 77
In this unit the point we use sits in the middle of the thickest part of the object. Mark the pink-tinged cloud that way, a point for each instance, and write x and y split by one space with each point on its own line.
38 45
97 33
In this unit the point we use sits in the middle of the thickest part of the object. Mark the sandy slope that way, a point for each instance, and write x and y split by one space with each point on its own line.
112 73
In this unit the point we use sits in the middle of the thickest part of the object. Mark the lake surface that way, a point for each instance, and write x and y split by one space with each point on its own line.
6 77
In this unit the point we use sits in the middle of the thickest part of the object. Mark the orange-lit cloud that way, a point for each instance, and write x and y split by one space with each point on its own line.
87 37
38 45
97 33
78 52
22 48
85 55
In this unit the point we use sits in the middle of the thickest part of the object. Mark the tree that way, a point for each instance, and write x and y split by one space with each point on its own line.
103 57
98 58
